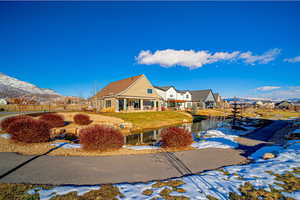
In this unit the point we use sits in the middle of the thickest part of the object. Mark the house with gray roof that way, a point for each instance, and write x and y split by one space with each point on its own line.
203 99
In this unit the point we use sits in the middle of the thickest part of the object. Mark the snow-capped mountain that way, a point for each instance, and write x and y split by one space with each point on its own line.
12 87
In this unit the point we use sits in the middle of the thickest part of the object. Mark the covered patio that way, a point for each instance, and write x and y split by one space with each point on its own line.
174 103
137 104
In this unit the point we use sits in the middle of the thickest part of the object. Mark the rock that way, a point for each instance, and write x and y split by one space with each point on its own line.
267 156
125 125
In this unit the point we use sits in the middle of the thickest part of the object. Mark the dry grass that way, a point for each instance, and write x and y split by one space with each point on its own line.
72 127
151 120
18 108
40 148
251 113
269 113
214 112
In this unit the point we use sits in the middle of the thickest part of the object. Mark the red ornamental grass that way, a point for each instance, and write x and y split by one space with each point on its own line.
29 131
54 120
100 137
81 119
176 137
7 121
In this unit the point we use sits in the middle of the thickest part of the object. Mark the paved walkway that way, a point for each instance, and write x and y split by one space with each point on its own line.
111 169
115 169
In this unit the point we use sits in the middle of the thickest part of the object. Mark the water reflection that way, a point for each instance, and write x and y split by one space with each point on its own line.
152 137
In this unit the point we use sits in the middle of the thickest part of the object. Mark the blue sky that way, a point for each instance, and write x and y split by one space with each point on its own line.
233 48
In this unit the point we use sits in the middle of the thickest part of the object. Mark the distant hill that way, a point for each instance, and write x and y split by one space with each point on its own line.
11 88
252 100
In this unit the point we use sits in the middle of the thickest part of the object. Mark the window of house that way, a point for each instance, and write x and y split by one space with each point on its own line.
171 95
149 91
187 96
108 103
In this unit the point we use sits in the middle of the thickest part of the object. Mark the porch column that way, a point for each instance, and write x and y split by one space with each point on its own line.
141 137
125 141
125 104
142 104
154 102
155 135
117 105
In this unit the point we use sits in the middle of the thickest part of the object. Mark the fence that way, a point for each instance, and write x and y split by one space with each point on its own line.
48 108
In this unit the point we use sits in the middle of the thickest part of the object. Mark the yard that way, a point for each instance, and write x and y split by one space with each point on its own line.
252 113
152 120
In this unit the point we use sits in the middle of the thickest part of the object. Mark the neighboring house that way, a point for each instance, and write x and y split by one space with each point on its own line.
284 105
3 102
297 107
203 99
218 99
173 98
134 93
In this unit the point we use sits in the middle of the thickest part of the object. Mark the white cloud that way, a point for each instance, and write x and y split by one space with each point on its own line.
195 59
267 88
293 60
281 93
265 58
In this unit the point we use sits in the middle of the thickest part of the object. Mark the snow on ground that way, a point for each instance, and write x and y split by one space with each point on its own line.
215 143
66 145
61 190
5 135
215 182
216 139
268 149
297 131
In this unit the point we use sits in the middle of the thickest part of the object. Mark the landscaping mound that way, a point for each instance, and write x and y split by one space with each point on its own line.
29 131
100 137
81 119
176 137
54 120
6 122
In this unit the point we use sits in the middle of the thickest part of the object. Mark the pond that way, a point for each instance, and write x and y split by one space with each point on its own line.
153 136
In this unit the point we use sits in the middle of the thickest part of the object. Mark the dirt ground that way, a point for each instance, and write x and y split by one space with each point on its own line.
41 148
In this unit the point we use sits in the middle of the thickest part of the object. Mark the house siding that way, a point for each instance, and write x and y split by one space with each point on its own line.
139 89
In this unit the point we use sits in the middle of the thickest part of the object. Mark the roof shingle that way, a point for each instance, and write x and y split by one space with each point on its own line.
118 86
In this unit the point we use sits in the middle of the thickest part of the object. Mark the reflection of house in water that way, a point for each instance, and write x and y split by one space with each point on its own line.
151 137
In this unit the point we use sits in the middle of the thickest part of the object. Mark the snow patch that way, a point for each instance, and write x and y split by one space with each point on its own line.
5 136
297 131
66 145
268 149
62 190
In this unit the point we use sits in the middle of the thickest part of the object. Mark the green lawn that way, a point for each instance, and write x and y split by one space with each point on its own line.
150 120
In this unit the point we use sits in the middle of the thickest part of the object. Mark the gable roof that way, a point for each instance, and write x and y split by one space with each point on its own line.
199 95
164 88
118 86
216 95
183 91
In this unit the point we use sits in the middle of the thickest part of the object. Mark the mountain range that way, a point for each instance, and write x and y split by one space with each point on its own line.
11 88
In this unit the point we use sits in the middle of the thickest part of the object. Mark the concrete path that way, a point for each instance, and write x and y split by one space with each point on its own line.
124 168
112 169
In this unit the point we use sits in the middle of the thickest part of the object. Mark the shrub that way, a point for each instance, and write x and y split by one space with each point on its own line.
81 119
176 137
6 122
29 130
100 137
54 120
